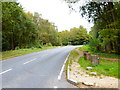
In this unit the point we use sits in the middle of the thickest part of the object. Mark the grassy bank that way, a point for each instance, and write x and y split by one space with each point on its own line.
105 67
107 55
71 57
19 52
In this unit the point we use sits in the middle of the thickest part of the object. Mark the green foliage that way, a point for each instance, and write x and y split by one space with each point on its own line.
25 30
104 35
94 44
105 67
75 36
71 57
48 44
84 48
107 55
106 30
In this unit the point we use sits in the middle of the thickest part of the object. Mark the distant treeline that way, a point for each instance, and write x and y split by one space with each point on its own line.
76 36
25 30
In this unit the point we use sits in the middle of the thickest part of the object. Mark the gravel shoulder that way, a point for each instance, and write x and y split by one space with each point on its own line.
87 79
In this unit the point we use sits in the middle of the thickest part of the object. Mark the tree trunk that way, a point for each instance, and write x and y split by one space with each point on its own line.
111 10
12 41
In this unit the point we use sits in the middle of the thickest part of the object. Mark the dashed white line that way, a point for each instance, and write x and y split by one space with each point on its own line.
61 71
6 71
30 61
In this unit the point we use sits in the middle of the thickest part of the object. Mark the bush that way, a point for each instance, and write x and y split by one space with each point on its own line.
32 48
39 46
94 44
16 48
48 44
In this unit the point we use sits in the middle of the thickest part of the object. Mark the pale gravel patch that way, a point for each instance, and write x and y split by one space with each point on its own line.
80 75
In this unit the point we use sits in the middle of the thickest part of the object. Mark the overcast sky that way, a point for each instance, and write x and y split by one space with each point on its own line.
56 11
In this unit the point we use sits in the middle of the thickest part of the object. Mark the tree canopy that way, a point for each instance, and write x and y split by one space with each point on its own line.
104 35
24 30
76 36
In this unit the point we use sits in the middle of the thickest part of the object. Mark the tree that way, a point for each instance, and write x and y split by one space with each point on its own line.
25 30
106 29
76 36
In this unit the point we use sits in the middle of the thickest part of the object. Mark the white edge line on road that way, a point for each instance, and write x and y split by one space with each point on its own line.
68 72
6 71
55 87
60 74
30 61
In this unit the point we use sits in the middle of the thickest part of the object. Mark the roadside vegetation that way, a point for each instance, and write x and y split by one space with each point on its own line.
75 36
107 55
19 52
71 58
22 29
106 67
105 34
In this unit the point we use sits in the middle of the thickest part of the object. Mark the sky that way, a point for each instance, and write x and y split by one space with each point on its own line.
56 11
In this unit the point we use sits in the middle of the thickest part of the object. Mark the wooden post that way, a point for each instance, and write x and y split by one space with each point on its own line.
88 56
84 53
95 59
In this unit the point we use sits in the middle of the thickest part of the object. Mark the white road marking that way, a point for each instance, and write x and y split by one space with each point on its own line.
61 71
55 87
68 72
6 71
30 61
59 76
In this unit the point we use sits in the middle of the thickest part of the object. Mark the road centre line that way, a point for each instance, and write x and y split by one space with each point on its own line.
5 71
61 71
30 61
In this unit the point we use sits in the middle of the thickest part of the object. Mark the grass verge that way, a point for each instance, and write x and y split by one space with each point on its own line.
19 52
105 67
71 58
107 55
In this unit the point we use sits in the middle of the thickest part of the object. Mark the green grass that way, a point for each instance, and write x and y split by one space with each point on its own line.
71 58
84 48
107 55
19 52
105 67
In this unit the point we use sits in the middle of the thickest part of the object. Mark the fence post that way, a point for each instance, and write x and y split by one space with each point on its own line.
84 54
95 59
88 56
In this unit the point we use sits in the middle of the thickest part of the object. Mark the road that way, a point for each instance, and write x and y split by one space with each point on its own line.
37 70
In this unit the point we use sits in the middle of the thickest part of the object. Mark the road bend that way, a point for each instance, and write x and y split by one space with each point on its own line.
44 69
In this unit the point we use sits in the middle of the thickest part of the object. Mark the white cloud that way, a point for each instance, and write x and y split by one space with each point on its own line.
56 11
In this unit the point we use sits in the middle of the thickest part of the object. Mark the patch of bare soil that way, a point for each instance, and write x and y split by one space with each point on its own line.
87 79
111 59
